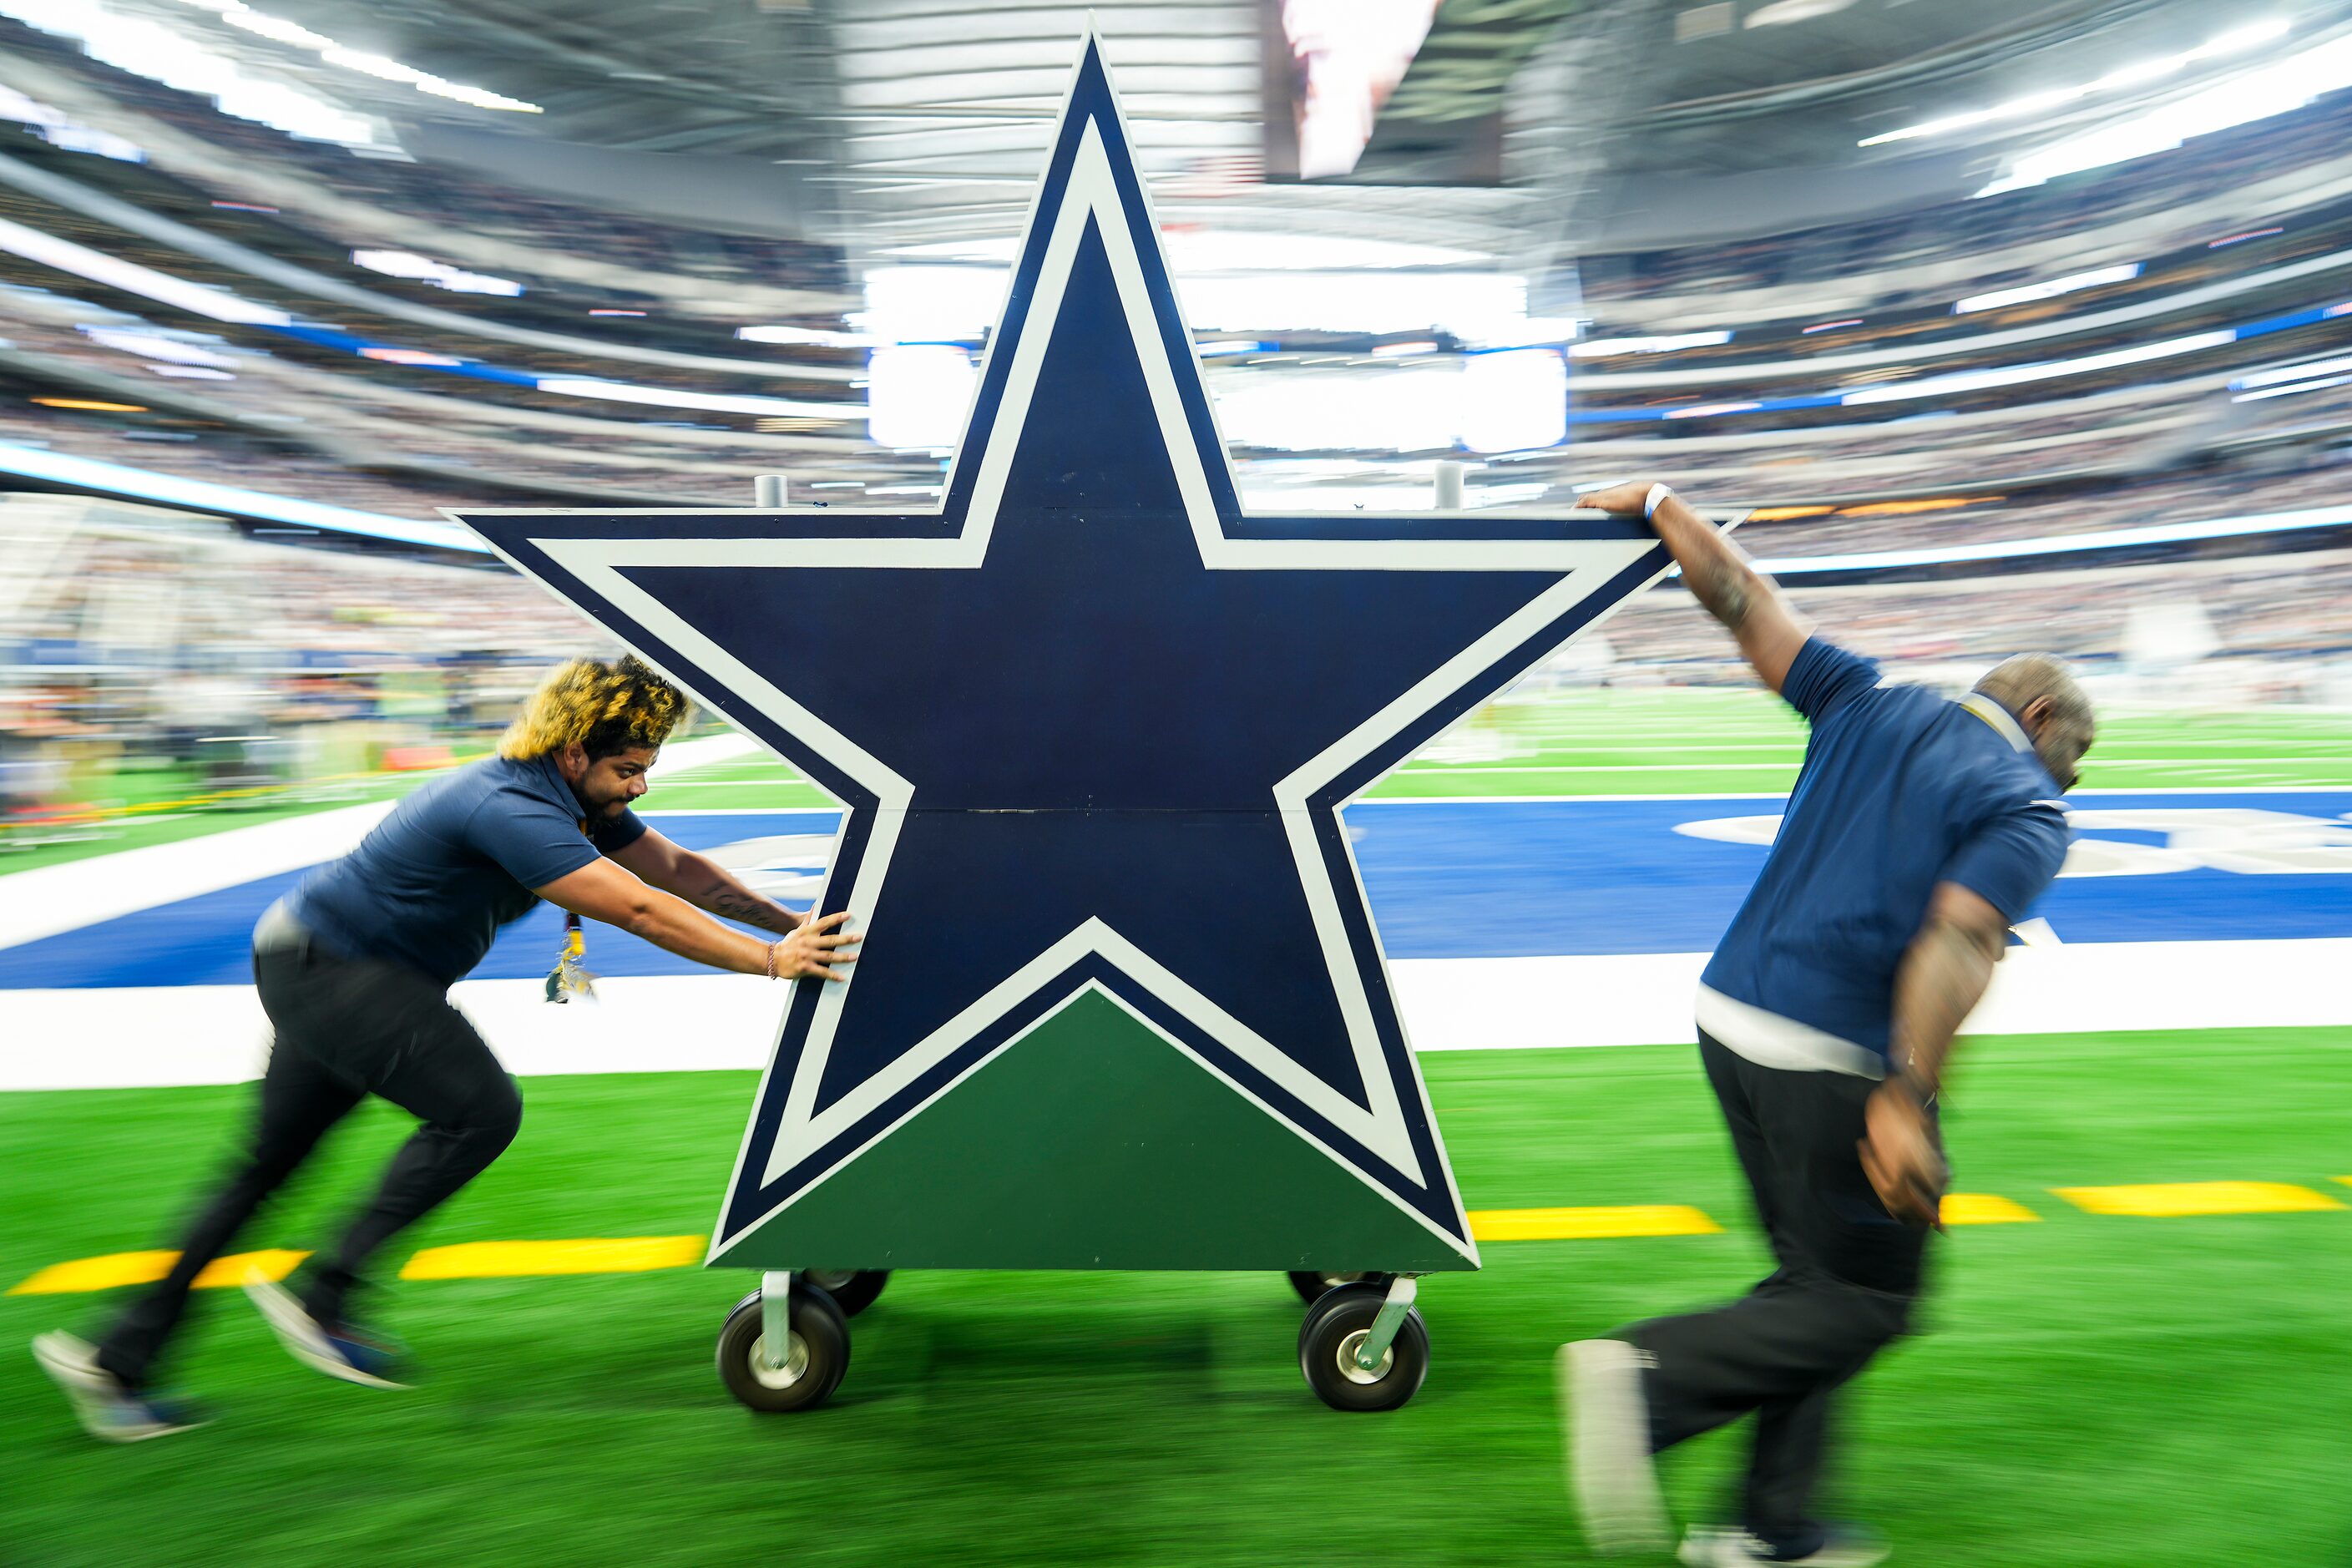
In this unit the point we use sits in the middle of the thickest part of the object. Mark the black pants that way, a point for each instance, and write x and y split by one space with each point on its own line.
1849 1273
345 1029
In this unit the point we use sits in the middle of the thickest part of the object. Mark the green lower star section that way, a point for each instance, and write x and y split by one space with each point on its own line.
1092 1143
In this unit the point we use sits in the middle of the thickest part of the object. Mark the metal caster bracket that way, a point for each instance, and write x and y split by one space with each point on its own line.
1383 1331
776 1318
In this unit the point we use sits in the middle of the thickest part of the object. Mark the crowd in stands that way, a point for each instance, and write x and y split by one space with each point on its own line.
155 661
401 336
279 667
2279 609
439 193
544 304
1873 253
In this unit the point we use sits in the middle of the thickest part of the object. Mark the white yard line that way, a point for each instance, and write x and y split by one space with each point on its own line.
1782 794
1419 769
214 1034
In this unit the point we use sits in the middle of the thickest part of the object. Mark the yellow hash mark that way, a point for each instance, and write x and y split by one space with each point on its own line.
1985 1208
508 1260
118 1268
1590 1224
2172 1200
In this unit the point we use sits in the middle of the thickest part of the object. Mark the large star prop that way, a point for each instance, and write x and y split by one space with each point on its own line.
1121 1001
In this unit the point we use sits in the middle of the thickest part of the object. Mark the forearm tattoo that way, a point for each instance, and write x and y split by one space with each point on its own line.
1722 588
1942 979
737 904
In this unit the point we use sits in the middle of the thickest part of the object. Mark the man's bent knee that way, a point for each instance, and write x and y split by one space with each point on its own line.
490 1119
502 1111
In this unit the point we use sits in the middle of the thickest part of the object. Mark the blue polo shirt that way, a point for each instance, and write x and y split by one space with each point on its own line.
1901 789
434 882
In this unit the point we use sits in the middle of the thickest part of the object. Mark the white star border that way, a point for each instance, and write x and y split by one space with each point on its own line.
1091 194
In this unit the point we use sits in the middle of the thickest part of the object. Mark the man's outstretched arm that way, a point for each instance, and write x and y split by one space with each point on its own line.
1719 574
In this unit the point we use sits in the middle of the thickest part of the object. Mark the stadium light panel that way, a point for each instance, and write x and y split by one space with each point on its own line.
440 274
162 54
2063 544
2255 95
708 402
2322 385
200 495
65 256
1592 348
1193 250
820 336
2237 40
1513 400
2017 374
949 304
2098 277
2275 374
918 394
1399 410
1472 305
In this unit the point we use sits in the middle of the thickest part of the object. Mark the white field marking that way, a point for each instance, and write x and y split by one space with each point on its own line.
1780 794
159 1036
2216 764
50 899
1416 770
2106 754
826 808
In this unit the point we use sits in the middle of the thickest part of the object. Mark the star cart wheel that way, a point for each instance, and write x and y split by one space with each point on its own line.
1335 1328
811 1364
851 1289
1314 1284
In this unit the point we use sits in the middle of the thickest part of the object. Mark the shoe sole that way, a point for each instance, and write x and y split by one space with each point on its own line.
72 1377
1713 1550
1699 1550
1610 1474
299 1332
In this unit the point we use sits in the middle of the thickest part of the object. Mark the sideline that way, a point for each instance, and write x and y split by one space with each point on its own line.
154 1036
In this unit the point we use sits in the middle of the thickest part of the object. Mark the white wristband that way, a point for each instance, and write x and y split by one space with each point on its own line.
1650 503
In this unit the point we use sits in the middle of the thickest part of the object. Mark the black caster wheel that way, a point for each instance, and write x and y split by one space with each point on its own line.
812 1363
851 1289
1313 1285
1328 1340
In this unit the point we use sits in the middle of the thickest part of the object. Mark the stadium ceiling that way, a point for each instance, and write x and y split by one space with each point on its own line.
919 125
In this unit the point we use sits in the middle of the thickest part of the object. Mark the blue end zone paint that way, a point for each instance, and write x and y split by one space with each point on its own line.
1507 879
1496 880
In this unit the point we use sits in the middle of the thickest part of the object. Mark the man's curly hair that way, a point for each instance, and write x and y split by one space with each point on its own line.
606 707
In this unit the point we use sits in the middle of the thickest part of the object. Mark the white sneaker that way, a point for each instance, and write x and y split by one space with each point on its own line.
1713 1547
106 1409
1609 1473
308 1341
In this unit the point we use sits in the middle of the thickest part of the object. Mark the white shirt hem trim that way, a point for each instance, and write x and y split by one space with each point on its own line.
1771 1040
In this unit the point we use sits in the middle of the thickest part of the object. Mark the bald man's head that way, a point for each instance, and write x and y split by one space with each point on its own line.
2040 691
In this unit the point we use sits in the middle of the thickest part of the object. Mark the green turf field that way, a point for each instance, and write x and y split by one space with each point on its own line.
2092 1390
1681 742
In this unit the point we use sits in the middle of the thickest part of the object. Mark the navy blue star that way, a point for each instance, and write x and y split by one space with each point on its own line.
1090 723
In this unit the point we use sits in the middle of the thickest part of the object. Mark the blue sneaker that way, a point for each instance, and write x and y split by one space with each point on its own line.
107 1408
336 1349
